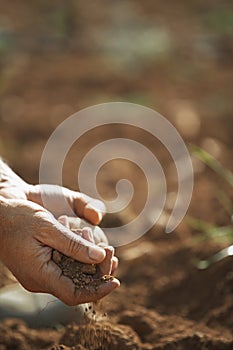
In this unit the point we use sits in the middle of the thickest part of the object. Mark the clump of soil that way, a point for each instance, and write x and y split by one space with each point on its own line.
84 276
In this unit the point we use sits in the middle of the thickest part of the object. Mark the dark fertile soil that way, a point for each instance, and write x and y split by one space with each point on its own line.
84 276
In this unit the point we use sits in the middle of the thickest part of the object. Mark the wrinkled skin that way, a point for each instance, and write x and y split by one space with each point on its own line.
29 232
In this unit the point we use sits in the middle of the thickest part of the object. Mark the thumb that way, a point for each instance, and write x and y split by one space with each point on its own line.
88 208
73 245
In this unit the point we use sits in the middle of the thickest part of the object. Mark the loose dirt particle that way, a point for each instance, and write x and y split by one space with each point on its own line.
84 276
104 336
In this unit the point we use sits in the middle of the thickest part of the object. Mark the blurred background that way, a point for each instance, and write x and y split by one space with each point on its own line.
57 57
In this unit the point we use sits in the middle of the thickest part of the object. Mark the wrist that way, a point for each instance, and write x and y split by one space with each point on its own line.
11 185
4 213
4 223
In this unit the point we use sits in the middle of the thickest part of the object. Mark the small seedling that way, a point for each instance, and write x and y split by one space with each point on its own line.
222 234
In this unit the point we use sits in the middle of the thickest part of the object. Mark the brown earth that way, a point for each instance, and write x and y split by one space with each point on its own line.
59 59
84 276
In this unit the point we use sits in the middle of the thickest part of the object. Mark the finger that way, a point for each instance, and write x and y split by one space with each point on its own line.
94 212
91 209
56 199
96 293
102 245
64 221
115 261
97 232
74 223
114 264
64 289
105 267
87 234
60 200
99 235
57 236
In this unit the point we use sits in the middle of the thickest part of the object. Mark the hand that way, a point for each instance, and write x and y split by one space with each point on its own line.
58 200
62 201
91 233
28 235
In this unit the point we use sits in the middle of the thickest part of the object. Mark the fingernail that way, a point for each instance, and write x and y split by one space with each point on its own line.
111 248
96 253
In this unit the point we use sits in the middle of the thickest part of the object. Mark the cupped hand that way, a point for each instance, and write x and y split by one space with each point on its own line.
62 201
89 232
29 233
57 199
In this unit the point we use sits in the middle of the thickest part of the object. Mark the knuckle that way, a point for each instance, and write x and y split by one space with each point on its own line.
74 247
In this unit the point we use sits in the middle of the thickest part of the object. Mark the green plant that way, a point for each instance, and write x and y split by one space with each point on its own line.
222 234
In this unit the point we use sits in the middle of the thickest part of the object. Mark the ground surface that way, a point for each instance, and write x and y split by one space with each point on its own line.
59 57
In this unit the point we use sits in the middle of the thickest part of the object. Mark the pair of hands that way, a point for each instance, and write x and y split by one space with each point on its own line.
29 233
